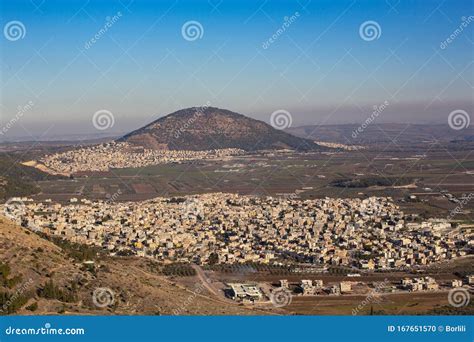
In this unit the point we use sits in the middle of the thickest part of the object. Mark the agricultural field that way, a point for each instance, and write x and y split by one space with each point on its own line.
299 175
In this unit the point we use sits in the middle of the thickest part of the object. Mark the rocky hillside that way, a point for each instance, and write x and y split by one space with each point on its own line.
205 128
45 276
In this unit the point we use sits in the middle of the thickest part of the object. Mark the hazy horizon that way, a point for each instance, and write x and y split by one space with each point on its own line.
80 130
136 60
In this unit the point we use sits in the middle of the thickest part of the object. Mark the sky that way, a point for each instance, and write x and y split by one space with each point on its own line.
324 62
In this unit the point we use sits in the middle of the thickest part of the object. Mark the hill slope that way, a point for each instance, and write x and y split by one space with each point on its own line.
39 276
206 128
19 180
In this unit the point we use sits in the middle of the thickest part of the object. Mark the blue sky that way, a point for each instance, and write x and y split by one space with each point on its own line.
319 69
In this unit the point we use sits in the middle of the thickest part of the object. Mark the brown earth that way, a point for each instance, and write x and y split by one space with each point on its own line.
137 288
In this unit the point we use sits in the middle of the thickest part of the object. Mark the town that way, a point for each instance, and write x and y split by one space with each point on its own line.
367 234
115 155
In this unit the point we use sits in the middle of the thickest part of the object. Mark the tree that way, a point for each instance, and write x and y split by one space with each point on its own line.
32 307
213 258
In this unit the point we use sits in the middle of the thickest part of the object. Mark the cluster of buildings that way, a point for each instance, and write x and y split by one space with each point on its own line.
340 146
307 287
369 233
420 284
430 284
255 292
123 155
252 292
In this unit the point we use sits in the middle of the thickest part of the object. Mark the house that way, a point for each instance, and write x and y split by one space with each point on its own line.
367 264
318 284
420 284
334 290
307 287
345 286
456 283
430 284
239 291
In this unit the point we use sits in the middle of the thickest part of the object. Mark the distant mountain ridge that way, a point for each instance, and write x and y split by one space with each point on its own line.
206 128
384 133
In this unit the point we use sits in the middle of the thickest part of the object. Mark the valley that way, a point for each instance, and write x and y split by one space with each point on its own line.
397 216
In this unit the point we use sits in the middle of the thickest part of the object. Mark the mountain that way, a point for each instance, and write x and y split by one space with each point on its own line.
384 133
205 128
